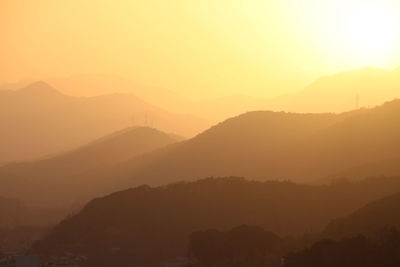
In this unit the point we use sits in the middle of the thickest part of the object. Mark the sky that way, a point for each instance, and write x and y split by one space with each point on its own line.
197 48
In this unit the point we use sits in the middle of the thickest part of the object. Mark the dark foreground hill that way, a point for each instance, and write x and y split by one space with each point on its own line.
61 179
369 220
147 225
366 237
356 251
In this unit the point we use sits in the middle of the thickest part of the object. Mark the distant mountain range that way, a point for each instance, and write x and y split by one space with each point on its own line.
213 110
338 92
275 145
345 91
38 120
146 225
64 173
260 145
89 85
31 130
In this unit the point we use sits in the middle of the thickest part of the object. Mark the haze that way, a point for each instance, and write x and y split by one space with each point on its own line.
199 133
198 49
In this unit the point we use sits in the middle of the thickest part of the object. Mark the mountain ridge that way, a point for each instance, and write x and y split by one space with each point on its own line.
42 121
65 172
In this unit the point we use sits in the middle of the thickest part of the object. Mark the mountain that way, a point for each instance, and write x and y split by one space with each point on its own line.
370 220
221 108
272 145
38 120
90 85
262 145
356 251
384 167
368 236
339 92
345 91
144 225
65 173
217 108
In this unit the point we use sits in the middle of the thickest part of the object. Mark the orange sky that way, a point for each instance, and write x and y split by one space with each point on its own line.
196 48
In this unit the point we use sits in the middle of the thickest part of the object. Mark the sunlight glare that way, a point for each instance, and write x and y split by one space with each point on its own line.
369 33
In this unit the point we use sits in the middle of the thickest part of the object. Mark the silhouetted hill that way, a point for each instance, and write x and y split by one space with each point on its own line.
369 220
38 120
65 173
145 224
357 251
269 145
259 145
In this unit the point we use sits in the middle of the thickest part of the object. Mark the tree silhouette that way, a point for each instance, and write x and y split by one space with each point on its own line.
357 251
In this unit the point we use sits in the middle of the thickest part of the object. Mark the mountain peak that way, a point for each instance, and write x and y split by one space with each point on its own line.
39 88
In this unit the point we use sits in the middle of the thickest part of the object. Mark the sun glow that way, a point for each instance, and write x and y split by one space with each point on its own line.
364 32
371 32
215 48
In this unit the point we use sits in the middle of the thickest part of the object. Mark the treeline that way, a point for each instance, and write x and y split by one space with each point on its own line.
249 246
147 225
358 251
365 238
